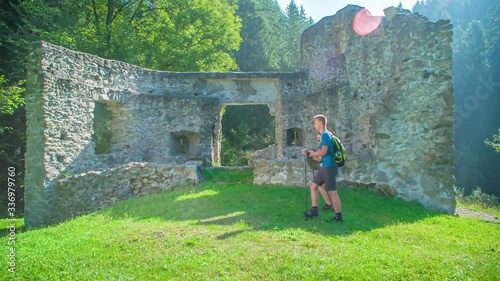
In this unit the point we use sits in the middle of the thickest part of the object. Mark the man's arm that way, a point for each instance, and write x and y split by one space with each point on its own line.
304 152
322 152
325 140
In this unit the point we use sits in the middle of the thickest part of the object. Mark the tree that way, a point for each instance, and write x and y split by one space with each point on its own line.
12 117
177 35
296 23
271 38
495 143
11 136
262 35
10 97
10 100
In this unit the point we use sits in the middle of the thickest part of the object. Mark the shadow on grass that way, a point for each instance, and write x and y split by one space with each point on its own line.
230 234
6 226
268 208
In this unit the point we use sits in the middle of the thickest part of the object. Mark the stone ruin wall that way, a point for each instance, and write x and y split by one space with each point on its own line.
65 89
388 96
149 112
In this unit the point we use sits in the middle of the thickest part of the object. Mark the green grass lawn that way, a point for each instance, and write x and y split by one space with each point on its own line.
236 231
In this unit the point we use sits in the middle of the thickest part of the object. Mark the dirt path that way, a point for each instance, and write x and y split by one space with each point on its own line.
476 214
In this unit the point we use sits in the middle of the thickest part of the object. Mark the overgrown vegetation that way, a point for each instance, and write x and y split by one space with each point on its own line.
478 201
236 231
477 197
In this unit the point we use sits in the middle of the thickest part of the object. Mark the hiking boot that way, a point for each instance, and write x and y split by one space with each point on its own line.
327 207
313 213
336 219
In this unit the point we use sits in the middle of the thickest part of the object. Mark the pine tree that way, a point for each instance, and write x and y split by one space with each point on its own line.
296 23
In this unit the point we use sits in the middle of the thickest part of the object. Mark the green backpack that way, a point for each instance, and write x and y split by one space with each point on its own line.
339 151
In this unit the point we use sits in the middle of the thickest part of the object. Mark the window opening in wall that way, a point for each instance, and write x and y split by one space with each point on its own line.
102 126
185 143
181 145
294 137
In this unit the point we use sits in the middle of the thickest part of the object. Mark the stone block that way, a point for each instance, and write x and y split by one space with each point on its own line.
381 177
278 179
428 183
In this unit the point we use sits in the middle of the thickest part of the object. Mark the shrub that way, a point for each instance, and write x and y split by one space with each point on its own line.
477 197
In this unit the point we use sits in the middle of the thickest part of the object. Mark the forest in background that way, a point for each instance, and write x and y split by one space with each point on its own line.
244 35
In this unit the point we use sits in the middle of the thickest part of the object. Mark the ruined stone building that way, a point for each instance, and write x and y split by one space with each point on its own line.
388 96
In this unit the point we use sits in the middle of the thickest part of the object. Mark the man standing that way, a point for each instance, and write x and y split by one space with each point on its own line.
328 204
327 174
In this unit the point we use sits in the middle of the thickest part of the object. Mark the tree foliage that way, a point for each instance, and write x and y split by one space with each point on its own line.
10 97
296 23
12 117
495 143
473 41
261 34
271 37
180 35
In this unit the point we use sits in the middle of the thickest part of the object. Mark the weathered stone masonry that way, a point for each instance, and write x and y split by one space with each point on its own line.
388 96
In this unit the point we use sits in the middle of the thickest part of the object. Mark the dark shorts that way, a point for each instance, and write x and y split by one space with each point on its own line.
327 176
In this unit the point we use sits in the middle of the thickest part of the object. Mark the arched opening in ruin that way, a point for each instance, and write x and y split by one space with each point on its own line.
245 129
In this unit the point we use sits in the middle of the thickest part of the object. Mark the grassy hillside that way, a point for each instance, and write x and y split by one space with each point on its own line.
235 231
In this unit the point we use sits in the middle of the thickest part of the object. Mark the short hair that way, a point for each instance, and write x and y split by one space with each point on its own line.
321 118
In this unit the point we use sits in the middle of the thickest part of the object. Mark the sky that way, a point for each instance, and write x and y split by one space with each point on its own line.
317 9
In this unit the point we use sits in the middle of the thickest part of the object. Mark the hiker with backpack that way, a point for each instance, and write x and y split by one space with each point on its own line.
324 194
328 172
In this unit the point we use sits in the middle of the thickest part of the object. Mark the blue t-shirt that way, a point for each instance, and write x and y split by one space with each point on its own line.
327 159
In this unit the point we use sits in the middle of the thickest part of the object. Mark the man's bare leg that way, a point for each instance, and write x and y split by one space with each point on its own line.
314 194
314 200
325 195
335 201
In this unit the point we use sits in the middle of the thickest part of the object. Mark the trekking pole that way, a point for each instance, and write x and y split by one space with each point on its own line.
305 182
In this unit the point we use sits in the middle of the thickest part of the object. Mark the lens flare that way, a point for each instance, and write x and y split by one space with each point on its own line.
364 23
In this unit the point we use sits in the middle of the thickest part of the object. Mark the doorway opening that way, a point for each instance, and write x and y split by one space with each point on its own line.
245 129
